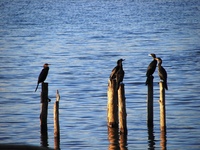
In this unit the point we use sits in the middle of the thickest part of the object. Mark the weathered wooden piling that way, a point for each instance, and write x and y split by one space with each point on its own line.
116 115
162 107
44 107
112 106
150 103
122 109
56 122
43 115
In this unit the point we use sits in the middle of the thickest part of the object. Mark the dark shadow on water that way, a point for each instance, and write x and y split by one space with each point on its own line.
22 147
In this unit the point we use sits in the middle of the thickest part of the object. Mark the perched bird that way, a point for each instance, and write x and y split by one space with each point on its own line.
118 73
43 75
162 73
151 68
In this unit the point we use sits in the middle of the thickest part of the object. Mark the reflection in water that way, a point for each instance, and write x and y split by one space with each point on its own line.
56 143
113 137
116 142
44 138
163 141
151 138
123 141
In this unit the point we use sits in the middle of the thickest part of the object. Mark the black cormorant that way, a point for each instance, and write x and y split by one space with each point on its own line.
43 74
118 73
151 68
162 73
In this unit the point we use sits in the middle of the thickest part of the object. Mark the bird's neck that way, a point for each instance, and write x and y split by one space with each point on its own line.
120 65
159 64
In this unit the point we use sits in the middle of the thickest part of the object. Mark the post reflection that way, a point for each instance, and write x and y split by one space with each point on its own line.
56 143
44 138
163 141
113 138
151 138
117 142
123 141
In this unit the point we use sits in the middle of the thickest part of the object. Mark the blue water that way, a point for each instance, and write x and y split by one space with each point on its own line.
82 40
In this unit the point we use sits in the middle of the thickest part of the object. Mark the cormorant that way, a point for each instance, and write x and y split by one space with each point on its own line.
118 73
43 74
151 68
162 73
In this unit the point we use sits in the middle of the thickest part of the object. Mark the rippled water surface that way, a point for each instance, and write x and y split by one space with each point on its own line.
83 39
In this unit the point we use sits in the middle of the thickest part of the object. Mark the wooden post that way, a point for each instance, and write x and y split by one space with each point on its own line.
43 115
112 112
122 117
56 122
44 107
162 108
122 110
150 103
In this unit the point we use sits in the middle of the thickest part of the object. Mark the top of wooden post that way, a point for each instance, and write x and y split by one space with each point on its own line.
57 96
44 92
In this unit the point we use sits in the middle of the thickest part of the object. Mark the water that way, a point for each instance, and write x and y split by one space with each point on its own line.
82 40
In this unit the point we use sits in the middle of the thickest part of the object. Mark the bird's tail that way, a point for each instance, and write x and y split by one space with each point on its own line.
166 87
147 81
36 87
118 84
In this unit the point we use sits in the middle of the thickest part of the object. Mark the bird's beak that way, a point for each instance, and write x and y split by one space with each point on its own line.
123 59
149 55
48 64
